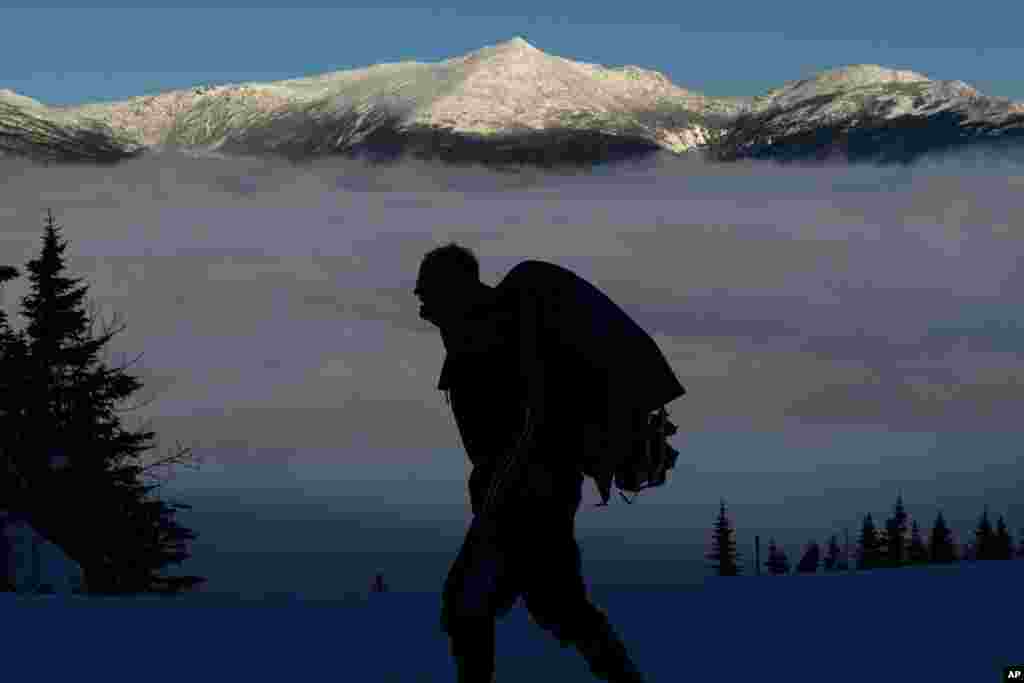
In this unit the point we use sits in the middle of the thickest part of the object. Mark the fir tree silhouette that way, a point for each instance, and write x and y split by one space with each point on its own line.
809 562
12 349
881 543
777 562
895 536
917 553
723 553
983 538
940 546
832 555
1002 543
72 468
869 550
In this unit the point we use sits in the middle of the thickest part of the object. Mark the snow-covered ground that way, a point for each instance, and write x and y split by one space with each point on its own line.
959 623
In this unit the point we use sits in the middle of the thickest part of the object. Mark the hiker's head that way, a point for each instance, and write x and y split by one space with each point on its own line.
448 283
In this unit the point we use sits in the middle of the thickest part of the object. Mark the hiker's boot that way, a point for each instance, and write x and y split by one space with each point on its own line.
473 651
470 669
606 655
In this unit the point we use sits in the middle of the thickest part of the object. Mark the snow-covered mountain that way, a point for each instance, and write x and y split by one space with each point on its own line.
513 103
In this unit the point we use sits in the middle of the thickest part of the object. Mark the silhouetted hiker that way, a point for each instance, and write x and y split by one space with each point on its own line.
510 377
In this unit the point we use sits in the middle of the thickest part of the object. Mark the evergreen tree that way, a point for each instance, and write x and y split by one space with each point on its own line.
940 548
881 543
895 536
723 547
918 553
809 562
869 545
832 555
844 563
73 467
777 562
12 350
983 538
1002 543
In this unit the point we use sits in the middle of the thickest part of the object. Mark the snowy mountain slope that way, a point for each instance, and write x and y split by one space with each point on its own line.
513 103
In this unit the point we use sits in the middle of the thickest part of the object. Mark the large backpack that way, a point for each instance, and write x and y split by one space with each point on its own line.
583 328
650 461
645 467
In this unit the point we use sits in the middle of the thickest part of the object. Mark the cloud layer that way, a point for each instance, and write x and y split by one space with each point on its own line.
841 332
274 303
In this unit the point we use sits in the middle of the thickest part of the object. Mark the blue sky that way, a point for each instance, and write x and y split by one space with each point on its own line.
844 334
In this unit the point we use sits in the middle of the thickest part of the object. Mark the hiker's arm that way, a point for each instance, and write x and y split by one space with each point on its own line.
510 466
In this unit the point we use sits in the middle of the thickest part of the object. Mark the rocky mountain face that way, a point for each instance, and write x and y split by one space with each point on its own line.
511 104
869 113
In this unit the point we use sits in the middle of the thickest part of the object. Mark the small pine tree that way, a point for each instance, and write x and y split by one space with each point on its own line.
844 564
723 547
832 555
869 555
917 553
881 543
940 548
983 538
808 564
895 536
1002 543
777 562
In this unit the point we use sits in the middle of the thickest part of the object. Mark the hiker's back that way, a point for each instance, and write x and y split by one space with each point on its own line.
482 377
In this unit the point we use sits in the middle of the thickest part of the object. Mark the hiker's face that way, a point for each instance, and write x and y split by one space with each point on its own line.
442 301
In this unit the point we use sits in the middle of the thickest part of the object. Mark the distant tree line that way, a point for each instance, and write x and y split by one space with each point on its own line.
886 548
66 462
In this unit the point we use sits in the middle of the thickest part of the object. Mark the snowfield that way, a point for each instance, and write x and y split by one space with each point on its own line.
960 623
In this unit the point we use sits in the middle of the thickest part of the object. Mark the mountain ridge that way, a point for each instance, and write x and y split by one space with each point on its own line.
514 103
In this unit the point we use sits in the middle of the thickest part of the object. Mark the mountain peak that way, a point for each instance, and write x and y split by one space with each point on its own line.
516 43
838 79
514 49
853 75
517 46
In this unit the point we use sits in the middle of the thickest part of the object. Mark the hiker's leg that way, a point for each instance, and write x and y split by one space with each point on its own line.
604 651
472 647
559 604
556 597
479 589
